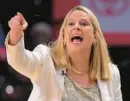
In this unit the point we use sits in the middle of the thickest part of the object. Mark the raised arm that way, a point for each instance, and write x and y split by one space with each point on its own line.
24 61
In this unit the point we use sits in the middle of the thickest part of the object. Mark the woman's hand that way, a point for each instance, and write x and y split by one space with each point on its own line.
17 25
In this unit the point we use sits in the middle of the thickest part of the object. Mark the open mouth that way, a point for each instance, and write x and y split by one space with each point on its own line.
76 39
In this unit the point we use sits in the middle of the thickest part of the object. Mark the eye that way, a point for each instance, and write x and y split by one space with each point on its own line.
71 23
83 23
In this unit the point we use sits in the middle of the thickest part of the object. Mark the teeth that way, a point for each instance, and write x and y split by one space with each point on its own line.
76 38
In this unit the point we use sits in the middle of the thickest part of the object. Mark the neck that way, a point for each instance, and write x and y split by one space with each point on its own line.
80 65
80 61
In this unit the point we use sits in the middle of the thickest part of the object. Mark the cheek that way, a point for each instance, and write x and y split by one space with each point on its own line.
89 38
68 30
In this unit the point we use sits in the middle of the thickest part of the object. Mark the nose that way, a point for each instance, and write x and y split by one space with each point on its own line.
76 27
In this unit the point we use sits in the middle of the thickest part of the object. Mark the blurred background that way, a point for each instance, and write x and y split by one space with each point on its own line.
44 18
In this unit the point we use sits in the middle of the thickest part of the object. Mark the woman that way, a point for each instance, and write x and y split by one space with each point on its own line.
76 67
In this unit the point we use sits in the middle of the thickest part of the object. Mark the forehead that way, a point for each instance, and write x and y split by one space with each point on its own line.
78 14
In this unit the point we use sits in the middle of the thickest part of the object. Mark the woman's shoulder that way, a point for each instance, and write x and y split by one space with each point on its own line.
115 70
42 48
43 51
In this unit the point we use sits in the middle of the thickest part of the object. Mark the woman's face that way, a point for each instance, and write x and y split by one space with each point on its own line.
78 33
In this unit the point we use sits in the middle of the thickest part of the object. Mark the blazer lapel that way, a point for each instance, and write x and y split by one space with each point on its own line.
60 83
104 90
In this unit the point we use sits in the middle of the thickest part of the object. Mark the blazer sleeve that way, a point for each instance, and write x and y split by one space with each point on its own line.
24 61
117 84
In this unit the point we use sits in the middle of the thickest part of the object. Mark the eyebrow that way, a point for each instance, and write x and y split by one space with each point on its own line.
86 19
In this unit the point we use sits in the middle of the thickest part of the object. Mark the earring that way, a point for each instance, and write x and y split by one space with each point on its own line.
94 43
63 43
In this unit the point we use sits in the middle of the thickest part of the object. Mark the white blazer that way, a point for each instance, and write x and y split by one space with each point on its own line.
48 83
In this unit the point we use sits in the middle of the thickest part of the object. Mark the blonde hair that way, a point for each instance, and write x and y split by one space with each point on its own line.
99 58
